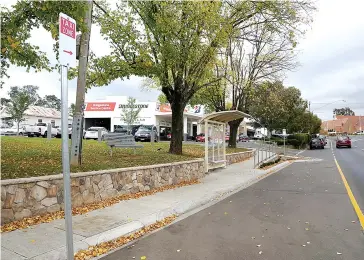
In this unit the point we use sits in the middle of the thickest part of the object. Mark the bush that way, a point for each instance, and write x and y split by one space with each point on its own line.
302 140
280 142
296 143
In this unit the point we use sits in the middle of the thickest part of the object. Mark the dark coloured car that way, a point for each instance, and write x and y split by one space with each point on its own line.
243 138
343 141
323 138
145 134
317 143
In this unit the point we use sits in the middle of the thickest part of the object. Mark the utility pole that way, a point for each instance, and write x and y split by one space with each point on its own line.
77 124
309 106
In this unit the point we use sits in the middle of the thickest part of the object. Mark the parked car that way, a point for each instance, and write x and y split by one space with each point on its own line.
120 130
135 129
343 141
93 132
259 136
169 136
227 138
39 129
13 130
317 142
323 138
243 138
200 138
59 131
145 134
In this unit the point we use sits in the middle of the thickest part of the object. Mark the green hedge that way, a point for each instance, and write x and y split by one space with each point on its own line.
296 140
300 140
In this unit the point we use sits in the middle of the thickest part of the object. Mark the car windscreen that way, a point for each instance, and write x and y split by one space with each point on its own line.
343 138
144 132
94 129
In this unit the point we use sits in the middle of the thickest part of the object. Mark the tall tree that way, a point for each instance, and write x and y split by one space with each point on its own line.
49 101
346 111
130 113
175 42
264 50
20 100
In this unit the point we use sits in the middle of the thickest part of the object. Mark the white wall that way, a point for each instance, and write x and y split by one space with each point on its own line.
146 115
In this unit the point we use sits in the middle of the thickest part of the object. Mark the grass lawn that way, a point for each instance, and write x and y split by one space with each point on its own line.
27 157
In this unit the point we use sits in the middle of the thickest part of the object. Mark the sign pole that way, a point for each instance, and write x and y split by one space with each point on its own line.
67 58
66 163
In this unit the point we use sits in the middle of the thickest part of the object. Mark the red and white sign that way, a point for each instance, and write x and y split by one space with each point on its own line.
67 40
100 106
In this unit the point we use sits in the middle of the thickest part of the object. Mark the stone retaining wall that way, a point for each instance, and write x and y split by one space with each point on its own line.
238 157
38 195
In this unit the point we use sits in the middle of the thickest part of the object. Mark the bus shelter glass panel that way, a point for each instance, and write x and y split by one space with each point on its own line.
216 145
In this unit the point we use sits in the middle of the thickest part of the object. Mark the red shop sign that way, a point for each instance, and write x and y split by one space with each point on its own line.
100 106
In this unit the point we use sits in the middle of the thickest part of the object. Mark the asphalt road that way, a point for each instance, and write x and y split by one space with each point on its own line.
301 212
351 162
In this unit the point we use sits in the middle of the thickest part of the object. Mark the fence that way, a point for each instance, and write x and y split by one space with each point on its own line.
264 151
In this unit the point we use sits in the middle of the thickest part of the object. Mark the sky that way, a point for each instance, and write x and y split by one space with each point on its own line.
331 58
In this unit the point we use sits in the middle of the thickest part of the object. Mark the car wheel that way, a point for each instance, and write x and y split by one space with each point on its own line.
349 146
29 135
311 148
337 146
21 134
45 134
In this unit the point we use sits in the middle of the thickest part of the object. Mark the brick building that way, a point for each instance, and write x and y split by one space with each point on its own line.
344 124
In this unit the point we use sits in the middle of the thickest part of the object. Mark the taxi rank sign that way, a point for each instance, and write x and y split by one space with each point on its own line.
67 40
67 58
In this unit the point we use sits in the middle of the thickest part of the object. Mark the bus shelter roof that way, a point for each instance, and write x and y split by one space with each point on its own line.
225 116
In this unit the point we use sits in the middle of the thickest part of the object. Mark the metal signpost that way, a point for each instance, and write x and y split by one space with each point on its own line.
49 131
284 141
67 58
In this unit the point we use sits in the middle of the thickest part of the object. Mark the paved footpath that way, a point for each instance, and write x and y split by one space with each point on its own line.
300 212
47 241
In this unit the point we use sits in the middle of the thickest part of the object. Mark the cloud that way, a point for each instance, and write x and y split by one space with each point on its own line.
332 59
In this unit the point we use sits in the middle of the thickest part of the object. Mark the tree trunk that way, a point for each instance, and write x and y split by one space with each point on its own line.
77 124
234 126
177 126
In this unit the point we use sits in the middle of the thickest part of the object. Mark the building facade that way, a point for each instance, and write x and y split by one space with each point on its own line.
34 115
109 112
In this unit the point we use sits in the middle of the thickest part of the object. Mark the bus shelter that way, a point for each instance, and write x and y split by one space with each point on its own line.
215 136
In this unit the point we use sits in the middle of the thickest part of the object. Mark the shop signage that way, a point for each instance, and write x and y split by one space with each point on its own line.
100 106
133 106
189 109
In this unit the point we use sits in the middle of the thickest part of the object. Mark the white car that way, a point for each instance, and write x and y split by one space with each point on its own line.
13 130
93 132
40 129
59 131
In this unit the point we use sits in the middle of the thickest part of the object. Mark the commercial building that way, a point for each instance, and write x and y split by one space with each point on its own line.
109 112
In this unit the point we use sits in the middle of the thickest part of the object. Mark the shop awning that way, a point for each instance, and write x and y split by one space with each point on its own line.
225 116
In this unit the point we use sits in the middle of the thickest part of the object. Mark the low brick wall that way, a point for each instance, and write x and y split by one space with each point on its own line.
38 195
238 157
